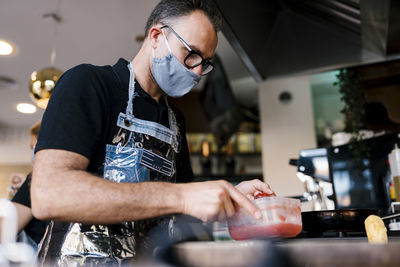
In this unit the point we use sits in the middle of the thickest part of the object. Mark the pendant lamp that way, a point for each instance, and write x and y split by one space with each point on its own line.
42 82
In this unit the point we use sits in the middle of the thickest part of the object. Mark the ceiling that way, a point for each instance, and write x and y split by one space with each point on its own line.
305 37
91 31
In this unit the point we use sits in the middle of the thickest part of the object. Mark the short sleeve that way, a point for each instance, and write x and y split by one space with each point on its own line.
74 117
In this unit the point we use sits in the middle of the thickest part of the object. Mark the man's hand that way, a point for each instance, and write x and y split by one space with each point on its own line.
215 200
254 187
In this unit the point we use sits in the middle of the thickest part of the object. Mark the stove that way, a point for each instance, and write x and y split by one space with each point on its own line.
343 235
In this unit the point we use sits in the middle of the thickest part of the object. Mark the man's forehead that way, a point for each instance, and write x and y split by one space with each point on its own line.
199 34
195 21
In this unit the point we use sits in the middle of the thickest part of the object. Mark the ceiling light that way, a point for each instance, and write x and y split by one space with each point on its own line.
5 48
26 108
41 85
42 82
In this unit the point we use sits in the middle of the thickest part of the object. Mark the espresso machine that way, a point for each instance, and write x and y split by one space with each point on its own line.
313 170
333 178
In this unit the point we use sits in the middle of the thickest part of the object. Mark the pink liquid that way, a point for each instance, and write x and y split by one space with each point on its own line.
257 231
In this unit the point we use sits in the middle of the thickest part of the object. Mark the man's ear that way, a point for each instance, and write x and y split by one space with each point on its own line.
154 36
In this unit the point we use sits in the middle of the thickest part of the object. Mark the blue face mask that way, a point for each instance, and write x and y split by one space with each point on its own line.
172 76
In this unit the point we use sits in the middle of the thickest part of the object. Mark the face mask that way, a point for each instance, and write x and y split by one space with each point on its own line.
172 76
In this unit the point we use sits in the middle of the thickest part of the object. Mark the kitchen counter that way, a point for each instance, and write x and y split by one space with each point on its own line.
342 252
292 252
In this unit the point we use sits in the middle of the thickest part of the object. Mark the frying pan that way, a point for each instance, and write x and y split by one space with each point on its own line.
343 220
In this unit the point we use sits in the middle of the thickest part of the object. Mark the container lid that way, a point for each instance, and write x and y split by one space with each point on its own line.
275 199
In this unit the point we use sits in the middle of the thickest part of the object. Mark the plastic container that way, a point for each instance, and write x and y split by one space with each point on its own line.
394 161
281 217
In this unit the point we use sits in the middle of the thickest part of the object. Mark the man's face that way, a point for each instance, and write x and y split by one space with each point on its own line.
197 31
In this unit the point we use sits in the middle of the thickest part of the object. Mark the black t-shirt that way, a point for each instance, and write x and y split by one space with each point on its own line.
82 114
35 228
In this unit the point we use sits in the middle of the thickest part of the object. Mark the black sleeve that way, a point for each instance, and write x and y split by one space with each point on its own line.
73 119
34 229
184 172
23 195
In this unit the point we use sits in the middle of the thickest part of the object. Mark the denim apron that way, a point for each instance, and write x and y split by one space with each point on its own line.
140 151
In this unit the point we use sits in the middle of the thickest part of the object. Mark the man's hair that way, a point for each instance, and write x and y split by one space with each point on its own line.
170 9
34 130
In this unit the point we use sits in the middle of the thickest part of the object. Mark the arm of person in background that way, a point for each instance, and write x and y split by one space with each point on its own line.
22 203
63 190
24 216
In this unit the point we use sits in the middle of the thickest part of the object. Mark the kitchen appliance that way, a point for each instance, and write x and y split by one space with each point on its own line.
366 188
340 222
394 224
313 171
352 187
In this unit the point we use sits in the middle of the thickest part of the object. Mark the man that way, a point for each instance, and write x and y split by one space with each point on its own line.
115 122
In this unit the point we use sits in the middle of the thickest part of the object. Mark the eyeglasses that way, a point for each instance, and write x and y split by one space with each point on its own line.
194 58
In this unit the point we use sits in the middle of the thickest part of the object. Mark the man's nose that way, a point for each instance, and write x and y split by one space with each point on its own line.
198 69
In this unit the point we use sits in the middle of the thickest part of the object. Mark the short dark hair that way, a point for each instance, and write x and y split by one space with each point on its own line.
168 9
34 130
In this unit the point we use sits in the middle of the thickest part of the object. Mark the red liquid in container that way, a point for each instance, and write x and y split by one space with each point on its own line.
281 217
244 232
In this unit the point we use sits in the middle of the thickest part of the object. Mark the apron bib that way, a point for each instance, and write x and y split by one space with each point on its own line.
141 151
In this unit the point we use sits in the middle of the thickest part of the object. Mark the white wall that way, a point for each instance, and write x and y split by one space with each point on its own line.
14 145
15 155
286 128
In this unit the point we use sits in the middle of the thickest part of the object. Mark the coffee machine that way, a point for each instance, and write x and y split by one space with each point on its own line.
351 187
313 170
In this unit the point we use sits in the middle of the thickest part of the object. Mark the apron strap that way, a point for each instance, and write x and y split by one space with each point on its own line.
129 107
171 116
174 126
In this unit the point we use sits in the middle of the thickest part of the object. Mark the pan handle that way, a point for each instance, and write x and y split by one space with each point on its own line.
391 216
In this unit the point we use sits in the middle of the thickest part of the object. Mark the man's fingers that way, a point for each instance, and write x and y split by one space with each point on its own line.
244 202
229 208
263 187
221 216
251 187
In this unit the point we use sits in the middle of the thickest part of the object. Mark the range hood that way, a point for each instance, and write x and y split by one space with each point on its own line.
284 37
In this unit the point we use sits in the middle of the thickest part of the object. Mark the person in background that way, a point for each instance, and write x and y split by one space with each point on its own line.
112 160
33 227
16 181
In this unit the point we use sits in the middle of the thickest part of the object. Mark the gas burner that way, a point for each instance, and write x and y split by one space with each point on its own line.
332 234
341 234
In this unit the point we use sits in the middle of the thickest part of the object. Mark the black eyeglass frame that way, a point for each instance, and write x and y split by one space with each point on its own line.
203 62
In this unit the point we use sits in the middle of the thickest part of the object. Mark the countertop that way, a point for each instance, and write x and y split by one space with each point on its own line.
345 252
